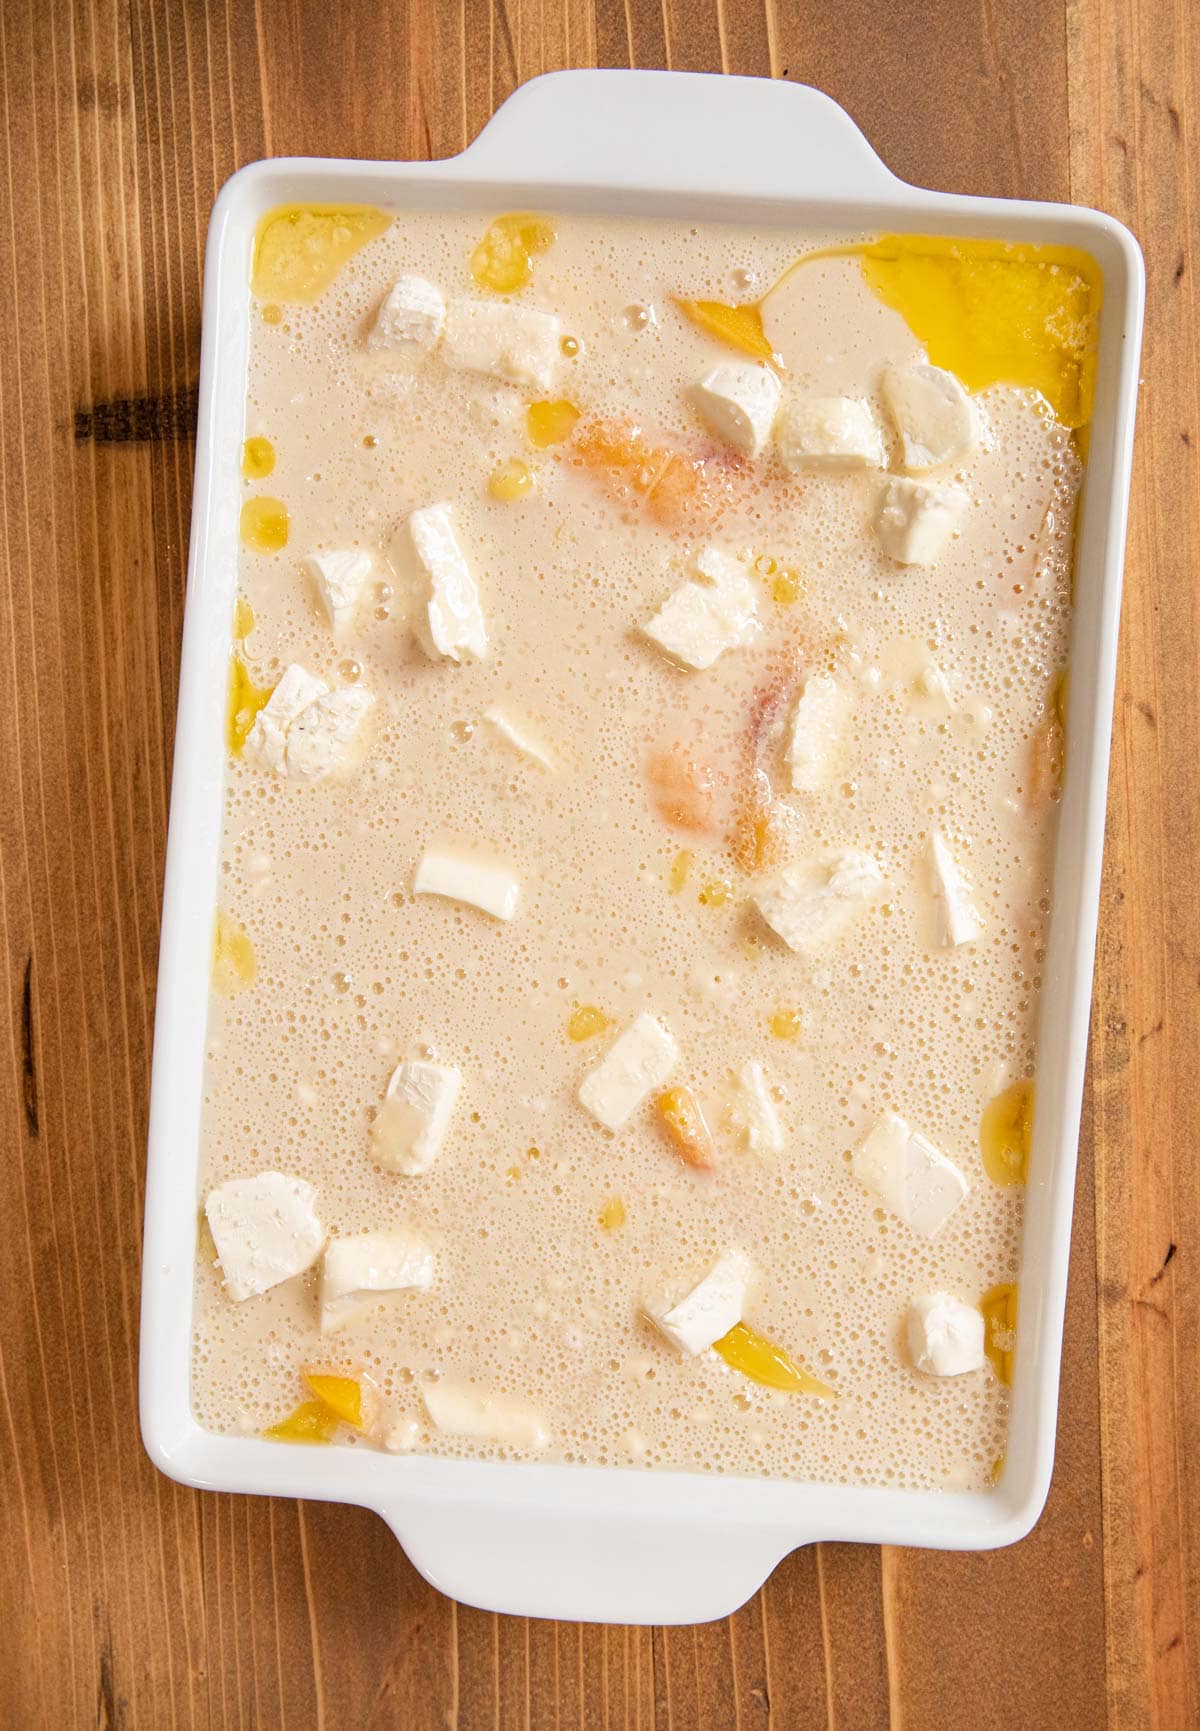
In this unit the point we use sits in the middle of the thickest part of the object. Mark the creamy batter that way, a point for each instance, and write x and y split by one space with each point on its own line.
548 1231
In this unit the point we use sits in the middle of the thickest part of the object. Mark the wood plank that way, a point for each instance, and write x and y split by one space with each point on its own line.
128 1601
1135 77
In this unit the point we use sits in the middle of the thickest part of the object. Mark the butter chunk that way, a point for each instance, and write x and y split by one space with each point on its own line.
450 619
828 433
911 1177
639 1060
339 578
515 343
359 1270
957 918
411 317
459 1410
265 1230
739 401
945 1336
817 721
704 618
266 743
914 520
460 877
706 1313
411 1125
751 1112
521 737
933 415
305 729
318 739
812 902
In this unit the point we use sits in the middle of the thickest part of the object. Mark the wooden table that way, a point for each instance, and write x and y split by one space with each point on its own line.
126 1601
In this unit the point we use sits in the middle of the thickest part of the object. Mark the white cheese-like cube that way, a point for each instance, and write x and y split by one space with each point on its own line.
639 1060
318 739
817 721
701 620
449 619
511 342
706 1313
915 519
521 737
812 902
459 1410
265 1230
339 579
911 1177
945 1336
411 317
752 1114
266 743
958 920
715 566
358 1270
411 1125
304 729
740 401
828 433
460 877
933 415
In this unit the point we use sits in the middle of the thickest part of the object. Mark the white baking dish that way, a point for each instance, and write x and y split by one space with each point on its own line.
581 1542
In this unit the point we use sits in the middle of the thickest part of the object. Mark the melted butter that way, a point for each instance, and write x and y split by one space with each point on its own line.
759 1359
1006 1134
233 957
550 423
503 260
264 524
300 248
258 459
999 1307
991 312
510 481
245 701
586 1021
996 313
612 1215
243 619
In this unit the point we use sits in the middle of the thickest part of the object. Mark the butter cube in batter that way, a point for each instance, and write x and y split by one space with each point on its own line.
339 578
739 401
411 1125
709 1310
265 1229
359 1270
410 319
639 1061
911 1177
813 901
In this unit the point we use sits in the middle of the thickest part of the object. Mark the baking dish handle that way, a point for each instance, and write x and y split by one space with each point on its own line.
580 1567
694 132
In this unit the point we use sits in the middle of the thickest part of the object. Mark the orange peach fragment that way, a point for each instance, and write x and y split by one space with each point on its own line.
353 1399
681 1117
681 788
311 1422
739 327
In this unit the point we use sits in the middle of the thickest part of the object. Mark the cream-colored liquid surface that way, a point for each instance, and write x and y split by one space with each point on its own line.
533 1297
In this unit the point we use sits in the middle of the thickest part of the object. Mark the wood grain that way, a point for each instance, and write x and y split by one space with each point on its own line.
128 1602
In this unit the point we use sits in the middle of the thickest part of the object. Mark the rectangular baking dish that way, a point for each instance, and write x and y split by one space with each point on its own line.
621 1545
